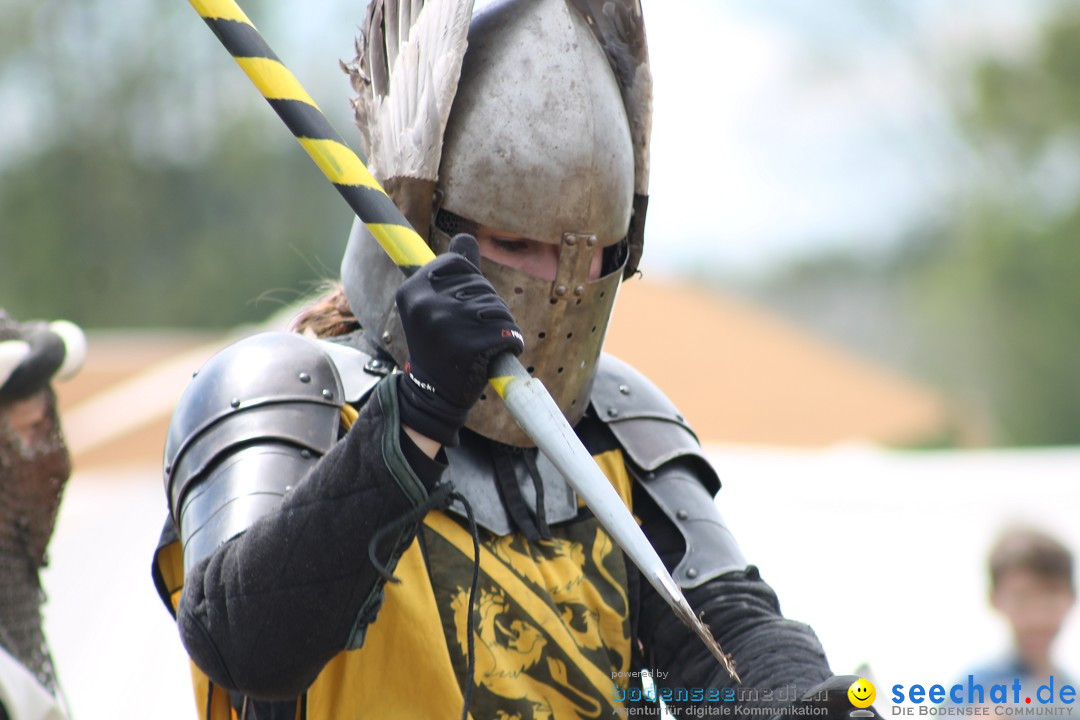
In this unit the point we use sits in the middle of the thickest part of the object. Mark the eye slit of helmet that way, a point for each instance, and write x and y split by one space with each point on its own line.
511 245
613 257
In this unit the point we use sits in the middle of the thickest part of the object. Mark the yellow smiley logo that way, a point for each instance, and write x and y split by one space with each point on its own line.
862 693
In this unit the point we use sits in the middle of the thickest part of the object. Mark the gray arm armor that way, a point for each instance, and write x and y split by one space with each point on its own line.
252 422
667 461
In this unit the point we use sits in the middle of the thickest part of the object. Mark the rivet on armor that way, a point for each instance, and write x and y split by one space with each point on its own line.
327 394
624 389
234 403
579 290
691 573
168 469
679 417
288 488
571 240
560 290
591 241
682 515
375 363
387 338
612 412
305 453
195 374
305 378
651 476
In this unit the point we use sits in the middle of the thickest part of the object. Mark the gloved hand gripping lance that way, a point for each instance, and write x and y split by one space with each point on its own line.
525 397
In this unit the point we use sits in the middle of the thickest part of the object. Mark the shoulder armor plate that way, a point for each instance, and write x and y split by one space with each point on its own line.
711 549
359 372
650 429
250 424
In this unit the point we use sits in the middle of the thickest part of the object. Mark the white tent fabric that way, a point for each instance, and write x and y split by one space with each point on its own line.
22 696
883 553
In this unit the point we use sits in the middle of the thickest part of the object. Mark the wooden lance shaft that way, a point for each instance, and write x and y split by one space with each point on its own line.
527 400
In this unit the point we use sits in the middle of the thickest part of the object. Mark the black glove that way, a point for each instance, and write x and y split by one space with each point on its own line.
454 323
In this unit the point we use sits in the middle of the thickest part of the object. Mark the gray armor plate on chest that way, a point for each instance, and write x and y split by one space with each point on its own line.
473 475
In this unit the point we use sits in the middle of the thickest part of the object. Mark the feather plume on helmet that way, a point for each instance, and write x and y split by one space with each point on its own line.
405 73
620 29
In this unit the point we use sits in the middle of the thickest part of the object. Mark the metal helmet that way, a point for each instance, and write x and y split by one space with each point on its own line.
540 142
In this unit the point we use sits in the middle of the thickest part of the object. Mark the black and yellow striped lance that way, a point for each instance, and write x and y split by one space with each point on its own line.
313 131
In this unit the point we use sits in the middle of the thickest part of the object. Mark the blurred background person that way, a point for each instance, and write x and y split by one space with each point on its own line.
34 468
1031 586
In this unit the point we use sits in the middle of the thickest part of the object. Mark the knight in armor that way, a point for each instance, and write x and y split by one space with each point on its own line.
326 487
34 468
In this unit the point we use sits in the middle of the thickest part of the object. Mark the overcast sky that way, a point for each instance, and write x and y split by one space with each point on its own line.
781 127
784 127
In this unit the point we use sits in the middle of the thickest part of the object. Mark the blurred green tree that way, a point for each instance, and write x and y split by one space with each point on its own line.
143 182
1002 284
982 296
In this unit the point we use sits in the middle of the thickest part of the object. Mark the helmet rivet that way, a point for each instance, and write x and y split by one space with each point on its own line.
571 240
591 241
304 377
560 290
612 412
234 403
327 395
579 290
386 338
682 515
624 389
691 573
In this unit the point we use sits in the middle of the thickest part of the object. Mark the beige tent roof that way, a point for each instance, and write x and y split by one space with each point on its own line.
741 375
738 374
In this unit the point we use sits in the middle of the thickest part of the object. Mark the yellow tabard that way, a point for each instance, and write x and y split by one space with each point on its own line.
551 629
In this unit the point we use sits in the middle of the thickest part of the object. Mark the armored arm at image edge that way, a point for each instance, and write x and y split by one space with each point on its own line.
742 611
673 497
262 611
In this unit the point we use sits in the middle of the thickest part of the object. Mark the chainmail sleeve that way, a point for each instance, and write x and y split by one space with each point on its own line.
743 613
34 468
